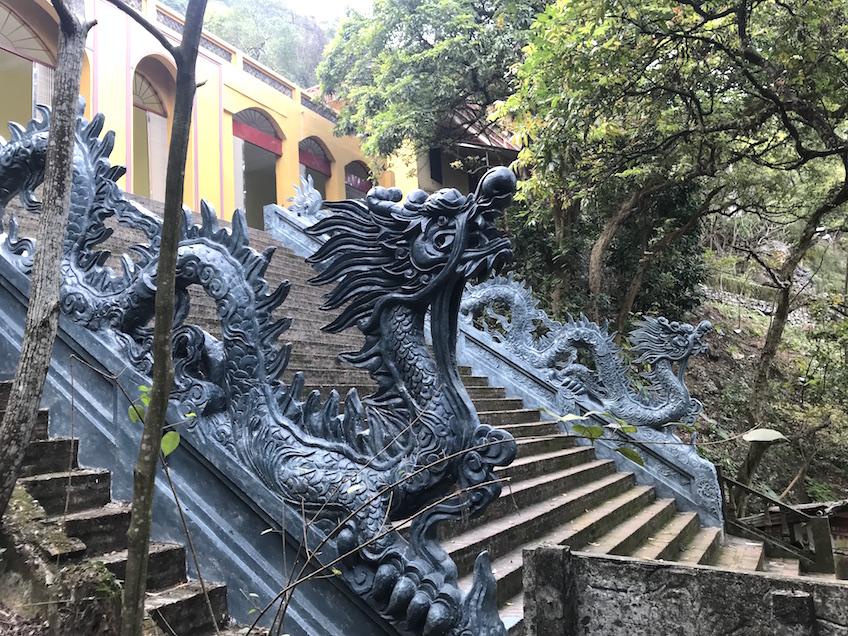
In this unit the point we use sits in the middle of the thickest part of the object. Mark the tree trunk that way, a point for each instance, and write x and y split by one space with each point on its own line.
784 297
649 253
43 311
596 258
560 274
775 334
630 296
144 474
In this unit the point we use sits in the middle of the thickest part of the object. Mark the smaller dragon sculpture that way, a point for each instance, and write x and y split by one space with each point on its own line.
662 397
416 449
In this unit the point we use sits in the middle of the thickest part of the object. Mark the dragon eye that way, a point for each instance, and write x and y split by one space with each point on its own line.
443 240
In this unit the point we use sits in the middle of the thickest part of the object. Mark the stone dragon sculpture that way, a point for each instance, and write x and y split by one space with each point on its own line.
415 449
662 397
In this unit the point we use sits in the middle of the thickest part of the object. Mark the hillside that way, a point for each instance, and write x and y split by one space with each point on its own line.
721 379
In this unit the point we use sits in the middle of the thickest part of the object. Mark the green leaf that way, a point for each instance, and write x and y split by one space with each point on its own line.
136 413
144 389
336 572
631 454
622 427
170 441
764 435
251 611
191 414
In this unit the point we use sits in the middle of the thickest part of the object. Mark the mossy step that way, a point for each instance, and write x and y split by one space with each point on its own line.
671 539
519 495
528 446
633 532
49 456
76 489
515 416
598 518
740 554
102 529
165 568
530 524
535 464
182 609
703 548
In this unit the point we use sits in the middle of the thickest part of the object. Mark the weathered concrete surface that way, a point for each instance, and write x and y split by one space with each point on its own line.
576 594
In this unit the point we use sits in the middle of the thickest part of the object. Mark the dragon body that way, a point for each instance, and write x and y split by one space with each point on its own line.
416 449
657 343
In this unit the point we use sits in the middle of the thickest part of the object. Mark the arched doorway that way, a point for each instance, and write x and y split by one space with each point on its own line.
153 88
315 163
256 146
358 180
26 69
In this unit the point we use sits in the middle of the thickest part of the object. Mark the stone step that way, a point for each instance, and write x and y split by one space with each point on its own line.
531 429
102 529
528 525
42 420
498 404
740 554
633 532
528 446
671 539
49 456
703 549
166 565
534 465
182 609
783 566
518 416
89 488
520 495
598 518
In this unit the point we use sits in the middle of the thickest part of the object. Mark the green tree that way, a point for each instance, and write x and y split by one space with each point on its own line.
744 98
402 74
271 33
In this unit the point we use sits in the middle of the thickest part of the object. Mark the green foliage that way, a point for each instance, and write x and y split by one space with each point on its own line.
741 104
270 32
401 74
819 490
138 409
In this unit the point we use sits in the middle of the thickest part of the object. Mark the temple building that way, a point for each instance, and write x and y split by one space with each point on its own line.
254 132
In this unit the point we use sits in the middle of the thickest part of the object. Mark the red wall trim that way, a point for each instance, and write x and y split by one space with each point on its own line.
258 138
316 163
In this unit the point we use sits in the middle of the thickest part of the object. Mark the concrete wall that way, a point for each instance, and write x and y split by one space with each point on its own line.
575 594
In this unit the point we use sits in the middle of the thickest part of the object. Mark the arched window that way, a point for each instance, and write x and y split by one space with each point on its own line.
26 69
358 180
152 86
256 147
314 162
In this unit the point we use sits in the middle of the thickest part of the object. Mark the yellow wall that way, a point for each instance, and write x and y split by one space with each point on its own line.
16 80
116 47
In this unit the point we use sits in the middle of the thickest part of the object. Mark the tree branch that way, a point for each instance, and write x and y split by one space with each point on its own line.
146 24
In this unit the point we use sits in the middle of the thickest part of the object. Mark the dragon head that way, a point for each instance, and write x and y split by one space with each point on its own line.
387 252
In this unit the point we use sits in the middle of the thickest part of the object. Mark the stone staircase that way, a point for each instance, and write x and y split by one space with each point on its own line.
555 492
78 502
